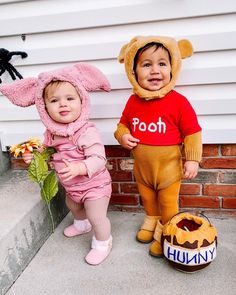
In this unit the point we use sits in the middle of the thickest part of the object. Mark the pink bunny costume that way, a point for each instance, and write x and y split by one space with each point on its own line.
79 140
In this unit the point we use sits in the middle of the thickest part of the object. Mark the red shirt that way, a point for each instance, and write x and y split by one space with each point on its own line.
161 121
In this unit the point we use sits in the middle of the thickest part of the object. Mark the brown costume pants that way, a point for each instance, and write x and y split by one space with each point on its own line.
163 202
158 173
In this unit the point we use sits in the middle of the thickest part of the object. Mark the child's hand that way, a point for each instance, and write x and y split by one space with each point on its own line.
72 169
190 169
128 141
27 157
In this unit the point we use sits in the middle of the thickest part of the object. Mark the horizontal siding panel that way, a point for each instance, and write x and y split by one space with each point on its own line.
219 28
213 42
210 122
10 1
222 126
209 75
227 136
41 16
202 68
67 52
11 133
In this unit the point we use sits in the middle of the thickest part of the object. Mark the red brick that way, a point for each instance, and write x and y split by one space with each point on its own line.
229 203
210 150
124 199
228 149
126 164
199 202
227 176
125 208
121 175
219 190
129 188
190 189
115 187
116 151
204 177
227 163
111 164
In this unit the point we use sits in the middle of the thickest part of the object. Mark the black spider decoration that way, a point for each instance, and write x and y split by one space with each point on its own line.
5 65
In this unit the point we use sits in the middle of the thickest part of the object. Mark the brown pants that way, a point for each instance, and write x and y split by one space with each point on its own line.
158 173
163 202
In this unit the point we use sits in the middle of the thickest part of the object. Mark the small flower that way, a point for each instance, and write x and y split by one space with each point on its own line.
27 146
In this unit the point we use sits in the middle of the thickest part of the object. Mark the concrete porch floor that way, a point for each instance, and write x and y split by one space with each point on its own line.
59 266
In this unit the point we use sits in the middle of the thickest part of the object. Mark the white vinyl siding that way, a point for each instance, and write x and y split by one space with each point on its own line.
62 32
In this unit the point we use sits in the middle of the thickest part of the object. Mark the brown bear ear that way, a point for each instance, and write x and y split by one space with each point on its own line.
121 57
185 48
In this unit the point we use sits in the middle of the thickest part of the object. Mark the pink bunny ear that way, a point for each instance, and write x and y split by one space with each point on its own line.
21 92
92 78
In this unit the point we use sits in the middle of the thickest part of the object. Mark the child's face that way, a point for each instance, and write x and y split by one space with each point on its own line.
153 70
63 103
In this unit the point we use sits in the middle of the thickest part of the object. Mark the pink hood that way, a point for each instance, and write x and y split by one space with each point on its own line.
29 91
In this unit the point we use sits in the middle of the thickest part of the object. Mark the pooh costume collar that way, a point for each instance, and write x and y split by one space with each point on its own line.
178 50
29 91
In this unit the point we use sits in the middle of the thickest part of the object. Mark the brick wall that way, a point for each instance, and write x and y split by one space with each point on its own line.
213 190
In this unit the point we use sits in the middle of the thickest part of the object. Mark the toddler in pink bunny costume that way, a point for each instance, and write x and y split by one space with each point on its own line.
62 100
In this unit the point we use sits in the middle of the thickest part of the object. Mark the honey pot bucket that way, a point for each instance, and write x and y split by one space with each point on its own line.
189 242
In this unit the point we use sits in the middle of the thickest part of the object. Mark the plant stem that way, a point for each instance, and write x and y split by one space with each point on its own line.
48 207
51 216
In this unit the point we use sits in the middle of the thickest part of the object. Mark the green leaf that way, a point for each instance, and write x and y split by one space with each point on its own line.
50 187
38 168
46 154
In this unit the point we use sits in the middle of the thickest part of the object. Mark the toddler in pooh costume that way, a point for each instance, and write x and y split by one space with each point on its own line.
156 122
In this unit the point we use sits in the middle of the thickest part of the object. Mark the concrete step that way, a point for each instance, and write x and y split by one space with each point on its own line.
24 224
59 266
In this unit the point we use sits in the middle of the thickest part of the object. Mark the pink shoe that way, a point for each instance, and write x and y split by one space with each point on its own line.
79 227
99 252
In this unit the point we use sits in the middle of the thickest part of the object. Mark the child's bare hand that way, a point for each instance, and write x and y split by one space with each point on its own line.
190 169
27 157
72 169
128 141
